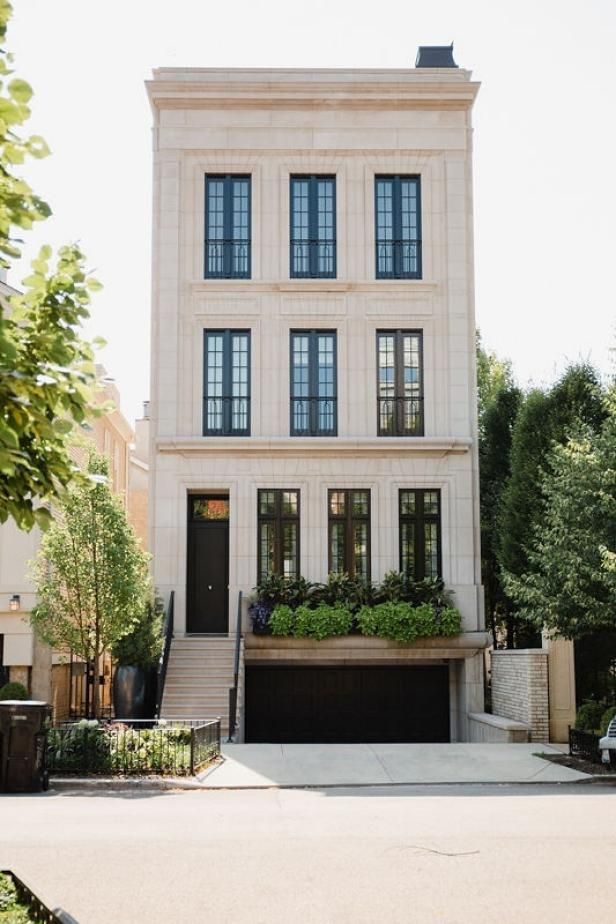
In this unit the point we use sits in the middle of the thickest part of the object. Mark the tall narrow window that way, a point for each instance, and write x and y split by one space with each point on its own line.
349 532
278 538
227 227
313 383
399 383
226 400
420 533
313 226
398 227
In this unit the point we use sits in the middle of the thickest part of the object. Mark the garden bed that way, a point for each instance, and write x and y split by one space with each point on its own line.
179 748
19 905
574 762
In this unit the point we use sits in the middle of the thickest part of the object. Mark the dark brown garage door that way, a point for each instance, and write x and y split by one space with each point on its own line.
347 704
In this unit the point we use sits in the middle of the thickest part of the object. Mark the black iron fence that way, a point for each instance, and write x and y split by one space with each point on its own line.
584 744
177 747
37 911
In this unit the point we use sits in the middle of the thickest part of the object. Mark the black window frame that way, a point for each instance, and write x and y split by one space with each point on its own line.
397 241
227 396
418 520
228 241
313 241
279 519
313 398
403 405
349 519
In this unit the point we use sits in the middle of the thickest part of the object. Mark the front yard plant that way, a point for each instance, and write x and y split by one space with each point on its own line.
13 690
398 608
90 747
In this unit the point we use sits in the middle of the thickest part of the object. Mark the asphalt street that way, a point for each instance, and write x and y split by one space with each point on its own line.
398 854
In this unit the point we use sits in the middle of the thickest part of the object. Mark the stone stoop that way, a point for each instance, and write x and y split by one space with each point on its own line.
199 676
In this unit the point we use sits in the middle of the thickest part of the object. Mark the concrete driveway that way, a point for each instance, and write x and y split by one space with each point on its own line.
264 765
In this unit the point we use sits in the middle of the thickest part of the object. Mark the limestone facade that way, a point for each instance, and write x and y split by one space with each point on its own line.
354 125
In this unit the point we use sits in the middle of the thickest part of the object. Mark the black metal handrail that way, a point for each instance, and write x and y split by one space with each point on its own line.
164 656
226 415
227 258
236 670
313 258
314 416
400 416
399 259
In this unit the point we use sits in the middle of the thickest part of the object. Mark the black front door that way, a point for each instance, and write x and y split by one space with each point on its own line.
207 590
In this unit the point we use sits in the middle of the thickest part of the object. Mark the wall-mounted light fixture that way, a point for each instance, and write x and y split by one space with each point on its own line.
15 602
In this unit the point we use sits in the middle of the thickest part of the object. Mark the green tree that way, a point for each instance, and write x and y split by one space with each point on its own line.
91 575
570 585
544 418
47 372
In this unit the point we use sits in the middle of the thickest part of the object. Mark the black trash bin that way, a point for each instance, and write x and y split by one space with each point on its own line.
23 735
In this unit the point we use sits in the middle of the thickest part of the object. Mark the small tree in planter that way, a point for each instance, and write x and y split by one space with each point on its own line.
136 655
91 575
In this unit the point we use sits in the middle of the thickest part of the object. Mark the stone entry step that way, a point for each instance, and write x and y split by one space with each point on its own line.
199 676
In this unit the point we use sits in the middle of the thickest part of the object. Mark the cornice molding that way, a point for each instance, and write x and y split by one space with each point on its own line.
310 89
313 447
408 287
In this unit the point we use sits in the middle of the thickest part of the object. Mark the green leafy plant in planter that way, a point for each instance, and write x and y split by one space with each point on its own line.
136 656
402 622
323 621
276 590
13 690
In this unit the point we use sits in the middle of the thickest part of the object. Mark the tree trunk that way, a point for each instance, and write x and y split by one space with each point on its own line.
96 688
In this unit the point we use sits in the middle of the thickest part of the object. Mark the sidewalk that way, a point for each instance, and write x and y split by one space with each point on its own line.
265 765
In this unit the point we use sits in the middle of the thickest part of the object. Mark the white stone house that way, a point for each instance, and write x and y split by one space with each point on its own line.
313 400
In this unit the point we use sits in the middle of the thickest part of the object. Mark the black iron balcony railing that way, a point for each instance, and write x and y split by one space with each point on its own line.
313 259
314 417
227 259
398 259
400 416
228 416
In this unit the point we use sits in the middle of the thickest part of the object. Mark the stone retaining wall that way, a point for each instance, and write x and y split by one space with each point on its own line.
520 688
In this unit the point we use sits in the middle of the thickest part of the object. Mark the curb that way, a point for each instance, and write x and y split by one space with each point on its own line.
167 784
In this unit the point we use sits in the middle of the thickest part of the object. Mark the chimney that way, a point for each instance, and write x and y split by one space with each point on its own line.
435 56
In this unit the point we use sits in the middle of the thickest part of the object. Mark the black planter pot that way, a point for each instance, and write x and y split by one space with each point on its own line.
130 692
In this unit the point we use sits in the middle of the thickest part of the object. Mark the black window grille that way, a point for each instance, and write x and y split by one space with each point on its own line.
399 383
226 399
227 227
349 532
420 533
398 227
313 383
313 227
278 532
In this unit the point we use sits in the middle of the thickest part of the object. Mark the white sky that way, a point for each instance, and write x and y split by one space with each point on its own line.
545 132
